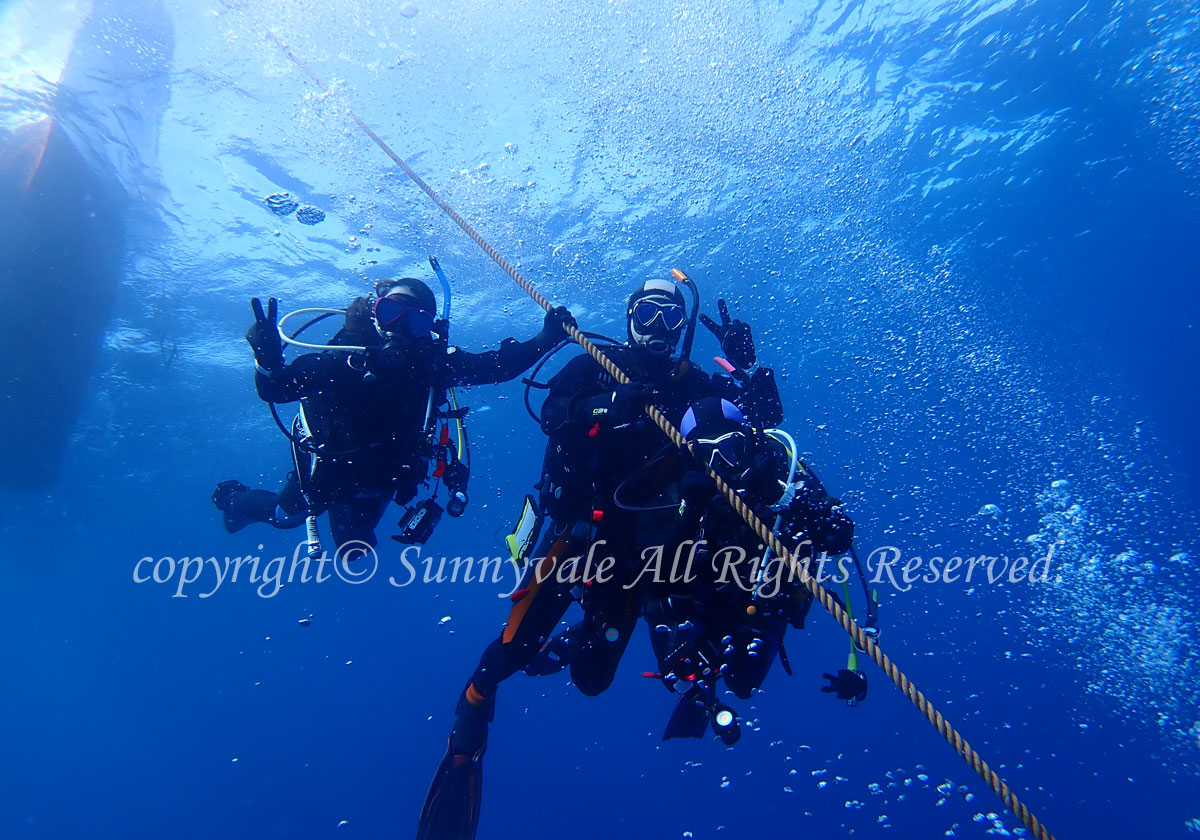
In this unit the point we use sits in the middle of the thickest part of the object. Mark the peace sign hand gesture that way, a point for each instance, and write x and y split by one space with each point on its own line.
263 335
737 343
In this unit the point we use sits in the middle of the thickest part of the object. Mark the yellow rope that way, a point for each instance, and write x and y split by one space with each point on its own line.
863 640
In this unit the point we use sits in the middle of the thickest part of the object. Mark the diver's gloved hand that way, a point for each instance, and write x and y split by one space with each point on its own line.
555 654
622 405
263 336
630 399
737 343
760 399
762 479
552 327
850 686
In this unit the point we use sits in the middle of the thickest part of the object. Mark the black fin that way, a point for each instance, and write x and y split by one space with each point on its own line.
689 720
451 810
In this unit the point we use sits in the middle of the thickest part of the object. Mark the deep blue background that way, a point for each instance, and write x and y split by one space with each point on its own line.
968 245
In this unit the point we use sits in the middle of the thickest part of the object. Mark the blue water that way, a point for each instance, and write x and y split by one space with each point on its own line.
964 233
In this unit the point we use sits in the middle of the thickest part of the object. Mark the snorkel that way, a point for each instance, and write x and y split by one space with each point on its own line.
689 335
441 276
457 471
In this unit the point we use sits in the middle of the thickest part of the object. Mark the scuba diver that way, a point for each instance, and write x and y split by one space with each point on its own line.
728 621
599 439
371 402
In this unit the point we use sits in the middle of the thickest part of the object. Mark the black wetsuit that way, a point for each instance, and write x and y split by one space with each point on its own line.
366 414
594 459
586 460
706 620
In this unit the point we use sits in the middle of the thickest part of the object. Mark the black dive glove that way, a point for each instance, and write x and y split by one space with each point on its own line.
622 405
736 341
760 399
850 686
553 327
263 336
761 480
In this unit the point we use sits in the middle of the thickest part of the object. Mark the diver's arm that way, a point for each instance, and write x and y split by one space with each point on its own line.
760 399
275 380
757 395
513 357
293 381
493 366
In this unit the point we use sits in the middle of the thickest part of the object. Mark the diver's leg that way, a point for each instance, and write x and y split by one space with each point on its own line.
755 651
663 625
355 519
451 810
610 614
539 603
674 637
242 506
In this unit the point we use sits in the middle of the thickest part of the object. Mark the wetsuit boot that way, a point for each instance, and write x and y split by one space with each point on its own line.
451 810
242 506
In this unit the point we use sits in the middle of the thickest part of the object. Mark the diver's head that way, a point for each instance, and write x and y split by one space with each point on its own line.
720 436
655 317
404 309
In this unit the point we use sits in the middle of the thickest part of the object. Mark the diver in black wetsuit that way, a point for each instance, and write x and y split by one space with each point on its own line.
368 413
599 438
728 621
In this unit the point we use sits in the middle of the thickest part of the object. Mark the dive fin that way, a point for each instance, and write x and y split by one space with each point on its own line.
451 810
689 720
241 505
222 497
783 659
